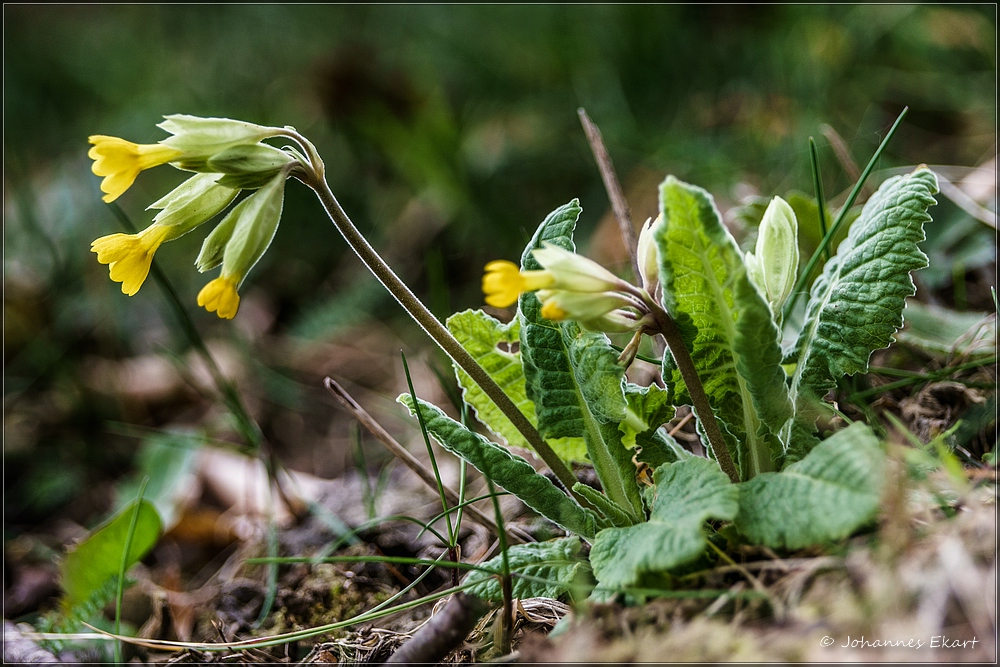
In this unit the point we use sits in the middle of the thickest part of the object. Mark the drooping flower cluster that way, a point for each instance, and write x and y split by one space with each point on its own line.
227 156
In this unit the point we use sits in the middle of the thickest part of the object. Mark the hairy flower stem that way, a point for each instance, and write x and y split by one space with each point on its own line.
702 408
437 331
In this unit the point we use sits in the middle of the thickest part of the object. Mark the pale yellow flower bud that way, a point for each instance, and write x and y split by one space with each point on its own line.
647 254
204 137
195 201
254 222
580 306
574 272
248 166
774 264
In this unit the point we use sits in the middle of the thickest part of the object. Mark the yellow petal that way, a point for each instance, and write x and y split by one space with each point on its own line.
120 161
220 297
551 311
129 255
503 282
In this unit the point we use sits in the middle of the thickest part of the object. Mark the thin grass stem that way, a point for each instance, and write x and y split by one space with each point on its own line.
430 450
120 587
820 197
841 217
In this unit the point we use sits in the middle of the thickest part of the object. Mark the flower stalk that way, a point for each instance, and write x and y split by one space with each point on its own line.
315 178
702 408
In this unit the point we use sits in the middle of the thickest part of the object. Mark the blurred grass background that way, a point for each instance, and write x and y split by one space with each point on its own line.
449 132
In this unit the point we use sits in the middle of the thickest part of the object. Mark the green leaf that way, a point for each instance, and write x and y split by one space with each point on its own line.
558 562
856 304
573 378
943 331
693 491
506 470
686 494
489 342
733 339
89 565
647 409
657 447
827 495
168 460
611 514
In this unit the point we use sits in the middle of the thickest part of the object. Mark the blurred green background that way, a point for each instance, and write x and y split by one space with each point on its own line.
449 132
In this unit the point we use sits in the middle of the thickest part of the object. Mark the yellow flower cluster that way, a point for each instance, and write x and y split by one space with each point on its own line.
228 157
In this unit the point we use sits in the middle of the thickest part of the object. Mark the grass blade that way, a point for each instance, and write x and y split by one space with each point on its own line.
120 591
804 276
820 197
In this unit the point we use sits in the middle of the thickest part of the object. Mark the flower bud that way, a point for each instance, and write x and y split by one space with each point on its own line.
255 228
205 137
580 306
775 261
574 272
248 166
647 255
254 222
195 201
214 245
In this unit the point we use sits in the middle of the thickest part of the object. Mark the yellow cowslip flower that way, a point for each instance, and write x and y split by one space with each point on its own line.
503 282
129 255
220 296
120 162
595 311
191 204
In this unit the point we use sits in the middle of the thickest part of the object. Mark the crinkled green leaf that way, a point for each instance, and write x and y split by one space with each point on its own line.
624 557
506 470
572 377
557 561
693 491
624 469
489 342
610 514
647 409
657 447
827 495
856 304
735 348
89 565
686 494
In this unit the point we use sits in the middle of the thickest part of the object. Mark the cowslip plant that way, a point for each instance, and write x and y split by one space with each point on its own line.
550 380
720 311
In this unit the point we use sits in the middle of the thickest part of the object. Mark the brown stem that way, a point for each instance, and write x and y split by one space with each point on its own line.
614 188
438 332
618 203
442 633
702 408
